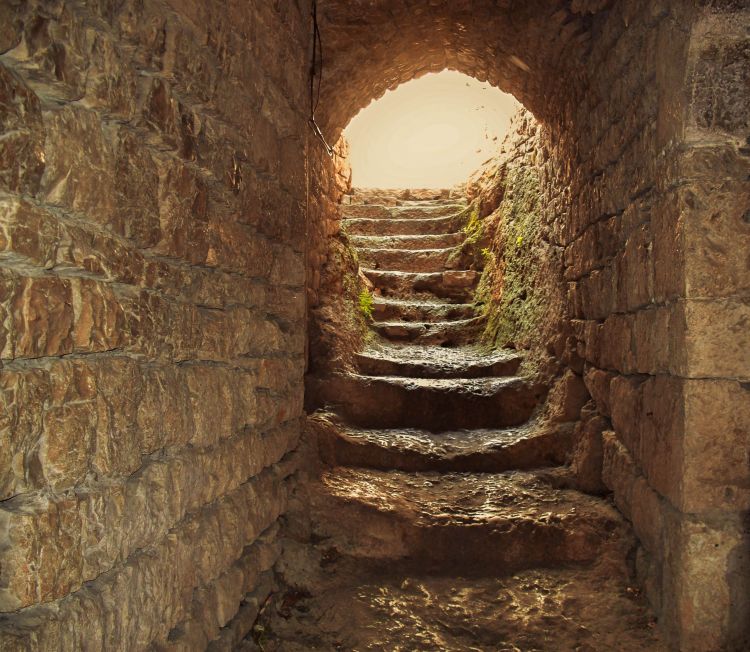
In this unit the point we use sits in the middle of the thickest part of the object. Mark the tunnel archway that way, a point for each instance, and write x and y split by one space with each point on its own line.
166 216
532 50
613 87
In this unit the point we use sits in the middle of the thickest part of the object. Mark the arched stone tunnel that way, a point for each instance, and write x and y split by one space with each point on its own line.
167 222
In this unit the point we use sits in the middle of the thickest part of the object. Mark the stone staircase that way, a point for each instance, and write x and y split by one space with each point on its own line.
440 516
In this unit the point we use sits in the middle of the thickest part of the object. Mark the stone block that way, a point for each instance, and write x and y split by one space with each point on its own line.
11 20
566 398
634 271
287 268
216 604
237 248
660 422
22 395
720 81
640 504
597 293
617 347
716 475
88 251
22 155
625 397
80 165
69 425
284 303
28 234
718 338
588 455
658 343
184 230
715 221
668 248
137 190
7 289
212 403
33 528
42 317
100 320
164 415
120 442
143 598
709 565
598 384
173 123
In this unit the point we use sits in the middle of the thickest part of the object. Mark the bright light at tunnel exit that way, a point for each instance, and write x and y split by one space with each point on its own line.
432 132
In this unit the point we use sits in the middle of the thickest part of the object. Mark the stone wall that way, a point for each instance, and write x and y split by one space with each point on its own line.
678 458
522 288
152 316
336 325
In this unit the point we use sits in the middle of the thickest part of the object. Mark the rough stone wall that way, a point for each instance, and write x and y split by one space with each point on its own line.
643 170
336 326
522 288
152 316
522 291
656 260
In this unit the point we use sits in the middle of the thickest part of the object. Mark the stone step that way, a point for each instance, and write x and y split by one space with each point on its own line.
419 210
409 449
398 197
436 362
344 603
410 260
487 524
389 309
434 404
444 333
407 226
457 285
434 241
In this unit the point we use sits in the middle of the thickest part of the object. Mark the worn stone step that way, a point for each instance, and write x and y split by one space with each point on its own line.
407 210
418 361
487 524
445 333
345 603
399 197
457 285
404 226
390 309
433 241
410 260
409 449
433 404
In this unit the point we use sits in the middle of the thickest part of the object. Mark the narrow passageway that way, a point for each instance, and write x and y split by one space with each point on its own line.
440 517
244 406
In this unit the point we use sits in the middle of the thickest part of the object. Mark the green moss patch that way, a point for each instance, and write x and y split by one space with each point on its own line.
509 287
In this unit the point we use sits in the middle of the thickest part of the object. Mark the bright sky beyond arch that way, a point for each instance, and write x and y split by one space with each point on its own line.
429 133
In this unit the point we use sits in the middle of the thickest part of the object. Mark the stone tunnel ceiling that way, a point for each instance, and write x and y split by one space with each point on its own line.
525 48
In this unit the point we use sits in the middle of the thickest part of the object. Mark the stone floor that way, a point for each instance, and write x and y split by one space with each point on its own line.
439 514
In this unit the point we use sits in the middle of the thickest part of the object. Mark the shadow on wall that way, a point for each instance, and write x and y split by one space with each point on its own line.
738 579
